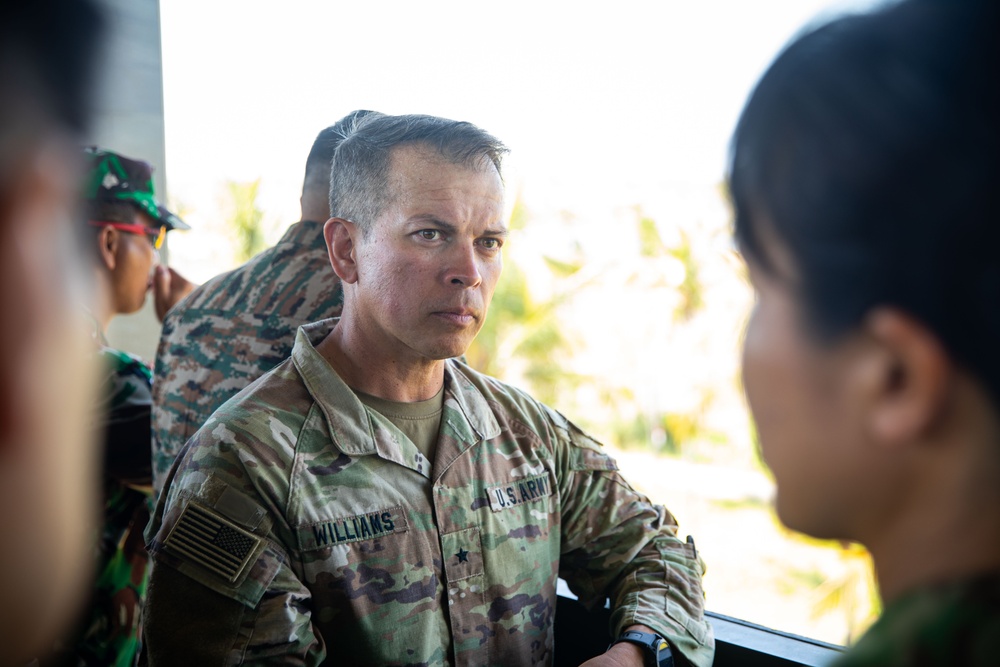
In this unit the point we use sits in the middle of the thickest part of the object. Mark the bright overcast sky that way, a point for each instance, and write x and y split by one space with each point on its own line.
595 99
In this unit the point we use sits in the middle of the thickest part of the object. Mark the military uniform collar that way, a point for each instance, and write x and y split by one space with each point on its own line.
351 426
308 233
96 333
470 402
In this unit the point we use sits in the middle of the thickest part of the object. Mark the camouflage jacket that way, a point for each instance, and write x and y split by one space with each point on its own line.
111 629
954 624
232 330
342 544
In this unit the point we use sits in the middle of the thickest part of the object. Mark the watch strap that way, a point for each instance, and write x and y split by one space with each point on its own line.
655 648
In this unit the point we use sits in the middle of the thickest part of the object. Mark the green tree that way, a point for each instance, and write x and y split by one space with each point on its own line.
690 289
523 332
853 594
246 218
652 247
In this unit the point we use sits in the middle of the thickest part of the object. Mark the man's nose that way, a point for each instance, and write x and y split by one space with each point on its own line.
463 266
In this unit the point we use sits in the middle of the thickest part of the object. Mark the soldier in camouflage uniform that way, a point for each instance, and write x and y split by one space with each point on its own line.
374 501
127 225
110 629
241 324
864 178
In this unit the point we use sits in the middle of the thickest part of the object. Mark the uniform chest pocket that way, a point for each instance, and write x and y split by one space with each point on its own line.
365 556
520 512
356 566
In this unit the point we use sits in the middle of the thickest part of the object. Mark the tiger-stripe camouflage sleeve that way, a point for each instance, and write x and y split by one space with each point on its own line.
232 330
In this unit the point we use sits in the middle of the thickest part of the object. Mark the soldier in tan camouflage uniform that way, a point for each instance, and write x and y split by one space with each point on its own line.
241 324
864 177
372 500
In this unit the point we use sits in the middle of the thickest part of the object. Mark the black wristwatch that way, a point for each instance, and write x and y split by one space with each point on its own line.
655 649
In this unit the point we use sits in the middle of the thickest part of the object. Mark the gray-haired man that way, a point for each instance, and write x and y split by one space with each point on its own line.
373 501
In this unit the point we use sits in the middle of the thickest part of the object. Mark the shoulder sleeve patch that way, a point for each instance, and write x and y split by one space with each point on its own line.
588 453
207 538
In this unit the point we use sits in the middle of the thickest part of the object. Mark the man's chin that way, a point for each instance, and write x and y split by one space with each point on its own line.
444 352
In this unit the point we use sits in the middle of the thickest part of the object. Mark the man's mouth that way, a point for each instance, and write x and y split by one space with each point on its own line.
458 316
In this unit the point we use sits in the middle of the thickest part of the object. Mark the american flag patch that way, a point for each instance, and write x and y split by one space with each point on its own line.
212 541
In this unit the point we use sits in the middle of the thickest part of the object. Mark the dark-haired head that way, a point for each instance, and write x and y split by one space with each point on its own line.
359 185
316 184
869 152
48 50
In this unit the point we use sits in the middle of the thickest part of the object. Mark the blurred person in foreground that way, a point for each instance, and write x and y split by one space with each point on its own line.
242 323
126 226
375 501
864 174
48 461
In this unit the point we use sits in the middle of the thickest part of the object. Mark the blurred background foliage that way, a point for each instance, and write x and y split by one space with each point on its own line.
641 348
527 339
246 218
632 329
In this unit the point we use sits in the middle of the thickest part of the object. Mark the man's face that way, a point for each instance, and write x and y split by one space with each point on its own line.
136 257
428 265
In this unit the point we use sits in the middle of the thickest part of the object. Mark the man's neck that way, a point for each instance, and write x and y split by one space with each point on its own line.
919 555
102 311
368 370
315 208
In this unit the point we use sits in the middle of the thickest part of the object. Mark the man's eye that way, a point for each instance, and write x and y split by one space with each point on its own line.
491 244
429 234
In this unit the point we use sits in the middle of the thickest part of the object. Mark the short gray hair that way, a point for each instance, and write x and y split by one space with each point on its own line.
359 182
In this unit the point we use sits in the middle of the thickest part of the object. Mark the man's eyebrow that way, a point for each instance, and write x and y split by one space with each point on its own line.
500 231
451 229
432 220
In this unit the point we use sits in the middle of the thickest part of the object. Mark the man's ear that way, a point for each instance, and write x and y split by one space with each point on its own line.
108 245
909 377
341 236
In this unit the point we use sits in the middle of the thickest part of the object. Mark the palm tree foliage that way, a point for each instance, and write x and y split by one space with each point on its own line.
246 218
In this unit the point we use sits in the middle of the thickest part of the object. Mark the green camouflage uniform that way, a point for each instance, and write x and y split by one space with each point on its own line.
311 531
111 628
232 330
951 624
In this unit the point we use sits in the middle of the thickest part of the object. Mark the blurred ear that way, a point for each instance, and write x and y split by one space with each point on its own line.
109 242
909 375
340 235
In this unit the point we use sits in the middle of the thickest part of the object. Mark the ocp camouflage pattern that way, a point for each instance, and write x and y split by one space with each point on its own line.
357 550
955 624
232 330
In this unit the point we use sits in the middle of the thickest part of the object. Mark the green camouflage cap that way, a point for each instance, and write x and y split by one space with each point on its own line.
116 178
